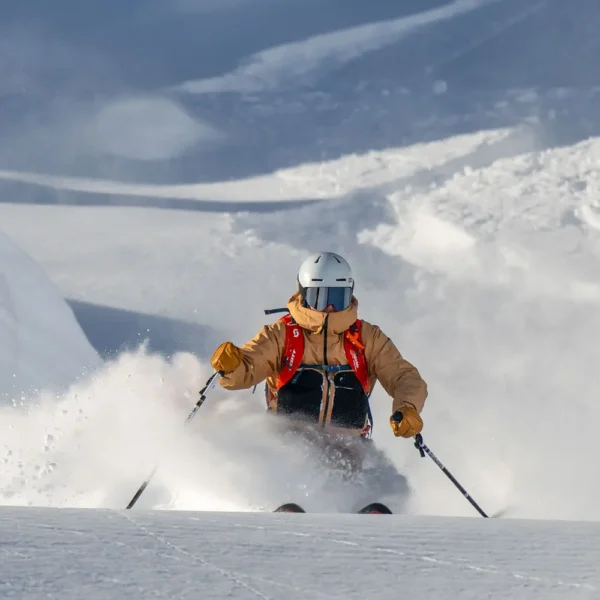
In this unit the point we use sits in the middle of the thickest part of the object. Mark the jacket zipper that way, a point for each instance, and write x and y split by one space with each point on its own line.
326 373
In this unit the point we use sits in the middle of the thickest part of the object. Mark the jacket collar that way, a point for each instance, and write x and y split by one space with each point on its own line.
314 320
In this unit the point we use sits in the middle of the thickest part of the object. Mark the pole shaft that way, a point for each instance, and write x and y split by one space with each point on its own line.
422 447
209 384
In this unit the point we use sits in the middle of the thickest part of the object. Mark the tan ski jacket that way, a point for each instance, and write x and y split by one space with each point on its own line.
262 355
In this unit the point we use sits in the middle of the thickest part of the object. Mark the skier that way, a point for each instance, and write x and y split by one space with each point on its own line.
320 362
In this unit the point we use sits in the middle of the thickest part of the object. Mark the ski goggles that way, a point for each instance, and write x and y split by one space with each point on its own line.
319 298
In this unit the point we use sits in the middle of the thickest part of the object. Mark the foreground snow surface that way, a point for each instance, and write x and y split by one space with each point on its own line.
71 554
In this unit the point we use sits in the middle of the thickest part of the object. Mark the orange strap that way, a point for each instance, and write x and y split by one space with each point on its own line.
355 353
292 352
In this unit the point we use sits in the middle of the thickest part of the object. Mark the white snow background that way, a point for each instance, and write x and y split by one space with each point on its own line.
159 190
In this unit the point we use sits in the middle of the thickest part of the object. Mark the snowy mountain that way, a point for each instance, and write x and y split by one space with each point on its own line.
43 347
169 165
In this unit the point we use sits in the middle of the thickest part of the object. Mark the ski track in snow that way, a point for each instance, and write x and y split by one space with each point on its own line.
300 61
205 563
248 556
457 562
479 40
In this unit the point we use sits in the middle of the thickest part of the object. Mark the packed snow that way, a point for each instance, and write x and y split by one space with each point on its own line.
161 200
111 554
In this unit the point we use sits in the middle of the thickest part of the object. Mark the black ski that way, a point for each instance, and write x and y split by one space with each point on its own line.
375 508
290 507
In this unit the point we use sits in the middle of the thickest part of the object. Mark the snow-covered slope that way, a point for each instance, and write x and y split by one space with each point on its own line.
482 274
448 149
331 78
169 165
42 346
109 554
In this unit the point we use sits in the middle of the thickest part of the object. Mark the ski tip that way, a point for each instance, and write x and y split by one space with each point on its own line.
290 507
375 508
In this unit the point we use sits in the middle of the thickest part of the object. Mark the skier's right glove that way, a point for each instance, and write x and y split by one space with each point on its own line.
406 422
226 358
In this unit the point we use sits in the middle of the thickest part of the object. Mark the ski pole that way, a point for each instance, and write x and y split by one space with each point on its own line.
423 449
209 384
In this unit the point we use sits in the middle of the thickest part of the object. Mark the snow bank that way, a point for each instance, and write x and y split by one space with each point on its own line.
504 324
41 343
317 180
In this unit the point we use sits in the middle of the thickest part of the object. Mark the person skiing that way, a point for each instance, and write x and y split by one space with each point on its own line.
321 362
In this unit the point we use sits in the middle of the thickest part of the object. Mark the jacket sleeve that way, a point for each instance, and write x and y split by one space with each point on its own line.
261 359
400 379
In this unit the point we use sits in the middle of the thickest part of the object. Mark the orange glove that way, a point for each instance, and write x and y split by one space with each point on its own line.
406 422
226 358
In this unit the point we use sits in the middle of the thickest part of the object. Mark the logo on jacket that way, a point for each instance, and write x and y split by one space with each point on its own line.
292 358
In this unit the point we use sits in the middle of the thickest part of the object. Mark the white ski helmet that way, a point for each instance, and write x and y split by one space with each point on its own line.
325 279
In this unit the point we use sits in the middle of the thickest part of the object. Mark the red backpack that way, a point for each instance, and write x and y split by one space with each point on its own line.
294 351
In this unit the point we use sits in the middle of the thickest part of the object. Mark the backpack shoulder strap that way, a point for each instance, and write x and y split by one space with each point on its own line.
293 351
355 353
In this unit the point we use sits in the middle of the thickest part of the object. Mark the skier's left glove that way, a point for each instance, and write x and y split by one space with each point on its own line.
226 358
406 422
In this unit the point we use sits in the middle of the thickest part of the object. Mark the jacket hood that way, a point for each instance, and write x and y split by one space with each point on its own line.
314 320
